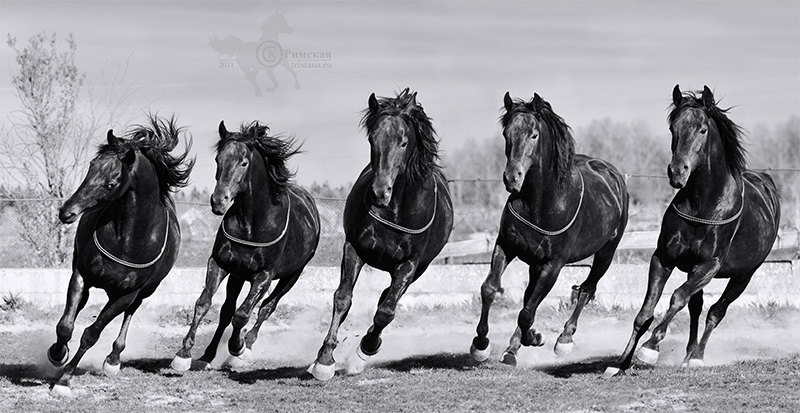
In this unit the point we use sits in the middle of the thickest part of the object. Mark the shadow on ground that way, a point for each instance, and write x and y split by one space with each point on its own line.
441 361
253 376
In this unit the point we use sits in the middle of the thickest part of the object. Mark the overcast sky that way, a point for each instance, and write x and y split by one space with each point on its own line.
591 60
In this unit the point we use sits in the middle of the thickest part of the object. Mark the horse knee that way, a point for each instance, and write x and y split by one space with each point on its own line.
488 292
90 336
716 313
642 321
525 319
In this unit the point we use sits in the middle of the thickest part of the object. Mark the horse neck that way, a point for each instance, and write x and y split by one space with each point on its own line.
253 208
138 209
270 34
711 184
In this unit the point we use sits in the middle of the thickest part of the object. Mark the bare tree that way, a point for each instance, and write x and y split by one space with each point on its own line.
48 140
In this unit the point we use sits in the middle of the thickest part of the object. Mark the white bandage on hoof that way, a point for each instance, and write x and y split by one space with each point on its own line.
59 390
695 363
480 355
181 363
647 355
322 372
611 372
562 349
109 369
357 364
236 362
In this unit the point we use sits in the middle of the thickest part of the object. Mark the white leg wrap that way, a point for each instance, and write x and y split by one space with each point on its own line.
60 391
562 349
322 372
181 363
647 355
111 369
480 355
611 372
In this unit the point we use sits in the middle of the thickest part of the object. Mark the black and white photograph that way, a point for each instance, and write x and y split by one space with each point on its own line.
400 206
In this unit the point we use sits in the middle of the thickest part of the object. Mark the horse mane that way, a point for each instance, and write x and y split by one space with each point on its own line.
155 140
564 143
424 159
274 149
730 133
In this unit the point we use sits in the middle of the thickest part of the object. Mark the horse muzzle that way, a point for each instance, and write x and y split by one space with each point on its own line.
68 214
220 203
381 196
678 176
513 184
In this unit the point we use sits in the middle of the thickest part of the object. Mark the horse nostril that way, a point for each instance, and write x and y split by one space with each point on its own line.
685 168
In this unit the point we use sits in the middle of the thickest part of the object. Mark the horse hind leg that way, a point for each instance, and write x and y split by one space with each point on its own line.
585 293
324 367
269 305
716 313
695 309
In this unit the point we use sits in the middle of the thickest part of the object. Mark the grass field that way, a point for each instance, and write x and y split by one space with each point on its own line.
424 365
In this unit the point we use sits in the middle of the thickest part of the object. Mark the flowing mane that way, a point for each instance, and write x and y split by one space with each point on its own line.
560 132
155 140
424 159
730 133
275 150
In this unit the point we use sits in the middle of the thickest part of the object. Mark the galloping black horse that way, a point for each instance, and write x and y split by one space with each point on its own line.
562 208
397 218
127 238
270 232
721 223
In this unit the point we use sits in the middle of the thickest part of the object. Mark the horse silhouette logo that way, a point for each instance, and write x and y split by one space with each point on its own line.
267 54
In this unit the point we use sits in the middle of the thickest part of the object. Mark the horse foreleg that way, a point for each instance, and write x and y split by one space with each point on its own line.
699 277
112 309
232 290
541 280
268 306
656 279
325 365
491 286
258 287
77 295
602 260
716 313
402 276
214 276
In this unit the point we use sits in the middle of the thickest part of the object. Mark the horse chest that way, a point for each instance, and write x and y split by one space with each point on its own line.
529 247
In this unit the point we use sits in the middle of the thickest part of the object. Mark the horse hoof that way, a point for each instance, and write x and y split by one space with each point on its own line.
235 362
562 349
480 355
60 390
58 363
109 369
181 363
322 372
612 372
695 363
647 355
509 358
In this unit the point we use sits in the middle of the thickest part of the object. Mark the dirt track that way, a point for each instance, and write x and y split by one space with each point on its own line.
423 345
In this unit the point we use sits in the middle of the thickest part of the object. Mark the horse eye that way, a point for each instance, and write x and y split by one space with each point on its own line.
703 131
244 164
404 144
109 186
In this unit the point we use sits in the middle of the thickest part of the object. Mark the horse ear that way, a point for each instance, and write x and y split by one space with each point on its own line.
112 140
222 131
373 103
508 102
412 103
537 100
128 158
677 96
708 97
